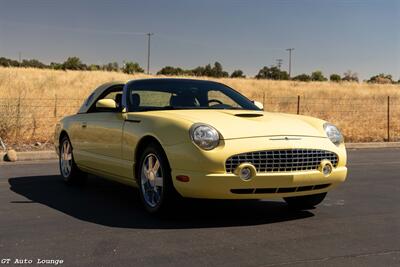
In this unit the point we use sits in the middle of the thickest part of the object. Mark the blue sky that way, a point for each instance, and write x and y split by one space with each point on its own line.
332 36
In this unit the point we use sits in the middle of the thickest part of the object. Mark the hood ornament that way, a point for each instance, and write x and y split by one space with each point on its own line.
285 138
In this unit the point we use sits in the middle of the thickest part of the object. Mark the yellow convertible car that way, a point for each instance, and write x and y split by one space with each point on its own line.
176 138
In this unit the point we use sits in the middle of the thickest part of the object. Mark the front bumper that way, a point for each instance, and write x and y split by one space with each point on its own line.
209 179
230 186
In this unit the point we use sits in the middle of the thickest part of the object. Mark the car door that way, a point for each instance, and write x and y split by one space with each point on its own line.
102 132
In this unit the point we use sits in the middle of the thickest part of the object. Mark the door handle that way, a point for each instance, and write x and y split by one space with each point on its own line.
84 124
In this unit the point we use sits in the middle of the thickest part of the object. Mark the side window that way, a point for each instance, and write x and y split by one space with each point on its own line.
150 99
216 97
114 93
153 99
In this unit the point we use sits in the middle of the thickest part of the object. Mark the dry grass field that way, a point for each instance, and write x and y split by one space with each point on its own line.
32 100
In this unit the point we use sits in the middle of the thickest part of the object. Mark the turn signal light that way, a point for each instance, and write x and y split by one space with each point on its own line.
183 178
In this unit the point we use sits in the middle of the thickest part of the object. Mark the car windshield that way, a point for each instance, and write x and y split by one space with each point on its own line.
166 94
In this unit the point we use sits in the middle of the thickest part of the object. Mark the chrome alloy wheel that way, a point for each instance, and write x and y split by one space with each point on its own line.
66 158
151 179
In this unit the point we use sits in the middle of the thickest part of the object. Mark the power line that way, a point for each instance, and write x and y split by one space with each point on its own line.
290 61
148 51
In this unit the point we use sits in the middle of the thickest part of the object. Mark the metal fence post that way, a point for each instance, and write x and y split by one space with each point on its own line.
388 118
298 104
55 106
264 99
18 118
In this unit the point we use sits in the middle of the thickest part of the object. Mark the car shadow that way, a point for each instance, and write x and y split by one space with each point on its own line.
107 203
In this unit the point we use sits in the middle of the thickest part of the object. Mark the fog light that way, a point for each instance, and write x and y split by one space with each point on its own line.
326 167
245 171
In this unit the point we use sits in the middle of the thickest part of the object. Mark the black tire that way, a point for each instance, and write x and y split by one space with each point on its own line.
305 202
167 194
72 176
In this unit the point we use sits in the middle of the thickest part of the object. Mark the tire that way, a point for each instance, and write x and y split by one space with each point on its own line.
305 202
153 175
70 172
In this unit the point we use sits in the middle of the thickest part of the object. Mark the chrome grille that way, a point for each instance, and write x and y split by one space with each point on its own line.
282 160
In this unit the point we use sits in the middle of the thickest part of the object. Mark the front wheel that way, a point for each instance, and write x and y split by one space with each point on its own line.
154 179
68 168
305 202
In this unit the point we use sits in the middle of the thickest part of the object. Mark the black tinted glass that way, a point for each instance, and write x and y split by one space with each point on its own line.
159 94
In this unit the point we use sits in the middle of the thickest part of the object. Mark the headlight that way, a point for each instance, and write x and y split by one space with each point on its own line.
205 136
333 133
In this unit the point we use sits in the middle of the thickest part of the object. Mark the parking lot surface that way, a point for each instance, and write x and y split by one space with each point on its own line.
103 224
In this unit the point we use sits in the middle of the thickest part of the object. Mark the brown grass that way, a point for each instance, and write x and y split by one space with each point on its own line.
32 100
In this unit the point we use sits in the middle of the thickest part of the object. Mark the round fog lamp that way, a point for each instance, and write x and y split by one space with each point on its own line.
245 173
326 167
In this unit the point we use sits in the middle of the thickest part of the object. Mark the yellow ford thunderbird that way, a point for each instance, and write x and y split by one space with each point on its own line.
175 138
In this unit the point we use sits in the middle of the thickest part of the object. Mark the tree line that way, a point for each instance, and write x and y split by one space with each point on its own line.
73 63
216 71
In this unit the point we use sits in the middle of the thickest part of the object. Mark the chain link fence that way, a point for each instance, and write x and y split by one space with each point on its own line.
366 119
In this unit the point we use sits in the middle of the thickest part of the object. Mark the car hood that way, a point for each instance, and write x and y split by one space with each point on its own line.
244 123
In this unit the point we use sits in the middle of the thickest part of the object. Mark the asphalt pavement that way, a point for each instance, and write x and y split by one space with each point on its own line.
103 224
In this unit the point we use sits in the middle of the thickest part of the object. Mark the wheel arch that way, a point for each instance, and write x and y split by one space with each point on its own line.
62 134
142 144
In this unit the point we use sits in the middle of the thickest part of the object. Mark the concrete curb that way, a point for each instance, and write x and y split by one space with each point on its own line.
33 155
50 154
373 145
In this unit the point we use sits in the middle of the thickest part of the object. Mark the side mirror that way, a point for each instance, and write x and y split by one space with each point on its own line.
106 104
258 104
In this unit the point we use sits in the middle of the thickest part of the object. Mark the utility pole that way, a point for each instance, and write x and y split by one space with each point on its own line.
279 64
290 61
148 51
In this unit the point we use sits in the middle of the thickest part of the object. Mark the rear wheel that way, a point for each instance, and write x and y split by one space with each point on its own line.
305 202
157 192
68 168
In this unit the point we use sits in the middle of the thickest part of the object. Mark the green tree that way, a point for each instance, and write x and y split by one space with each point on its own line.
302 77
94 67
381 78
5 62
350 76
208 71
56 66
171 71
199 71
112 66
73 63
318 76
218 72
132 68
335 78
214 71
238 74
33 63
272 73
